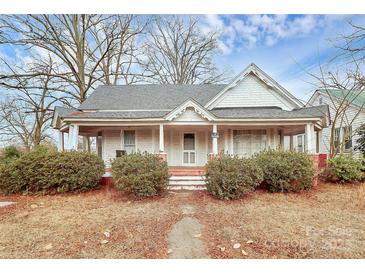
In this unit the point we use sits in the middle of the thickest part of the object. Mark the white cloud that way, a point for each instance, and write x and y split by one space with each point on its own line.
237 31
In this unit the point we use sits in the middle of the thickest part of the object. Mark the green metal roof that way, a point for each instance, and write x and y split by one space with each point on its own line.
356 97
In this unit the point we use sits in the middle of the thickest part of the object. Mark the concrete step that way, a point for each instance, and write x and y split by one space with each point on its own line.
187 178
186 187
187 182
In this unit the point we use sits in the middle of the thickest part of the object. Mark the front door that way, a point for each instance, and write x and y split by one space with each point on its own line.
189 149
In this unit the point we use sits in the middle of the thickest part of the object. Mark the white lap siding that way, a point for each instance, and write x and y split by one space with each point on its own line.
351 112
147 140
112 141
144 140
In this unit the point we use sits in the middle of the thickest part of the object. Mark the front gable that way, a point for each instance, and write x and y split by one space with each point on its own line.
190 111
254 88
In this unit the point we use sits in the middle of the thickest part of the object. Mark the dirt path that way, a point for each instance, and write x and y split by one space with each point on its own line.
184 239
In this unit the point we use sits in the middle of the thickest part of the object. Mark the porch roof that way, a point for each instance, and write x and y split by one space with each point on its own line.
219 113
271 112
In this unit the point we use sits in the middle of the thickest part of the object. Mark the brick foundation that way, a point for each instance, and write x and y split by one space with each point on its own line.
187 171
107 181
319 163
163 156
322 160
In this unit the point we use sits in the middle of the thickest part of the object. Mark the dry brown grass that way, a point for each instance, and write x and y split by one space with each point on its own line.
327 222
74 226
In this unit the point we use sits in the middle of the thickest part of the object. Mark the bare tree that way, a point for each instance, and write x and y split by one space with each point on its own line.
16 127
28 110
80 44
121 63
177 52
342 80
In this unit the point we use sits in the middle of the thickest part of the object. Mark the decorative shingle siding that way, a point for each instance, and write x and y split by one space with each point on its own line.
190 116
252 92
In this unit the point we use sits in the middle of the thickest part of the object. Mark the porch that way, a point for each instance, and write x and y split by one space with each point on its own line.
190 145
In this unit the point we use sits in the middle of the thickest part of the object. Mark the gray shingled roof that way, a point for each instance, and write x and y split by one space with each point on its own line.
121 114
148 96
270 112
63 112
142 101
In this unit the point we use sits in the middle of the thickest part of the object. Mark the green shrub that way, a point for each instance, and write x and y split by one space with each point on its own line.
141 174
286 170
345 168
47 171
231 177
10 153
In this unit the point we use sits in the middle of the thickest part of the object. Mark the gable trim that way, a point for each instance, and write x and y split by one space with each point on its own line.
252 68
190 103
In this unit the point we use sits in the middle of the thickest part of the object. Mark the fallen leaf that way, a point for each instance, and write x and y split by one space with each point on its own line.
249 242
197 235
236 246
104 241
23 215
48 247
244 252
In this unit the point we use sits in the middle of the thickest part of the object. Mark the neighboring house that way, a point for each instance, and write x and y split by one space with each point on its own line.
346 125
187 124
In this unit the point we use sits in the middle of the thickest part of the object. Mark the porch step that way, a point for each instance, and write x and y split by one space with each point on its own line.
187 178
187 182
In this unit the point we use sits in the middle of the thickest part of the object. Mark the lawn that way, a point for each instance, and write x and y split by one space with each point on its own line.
327 222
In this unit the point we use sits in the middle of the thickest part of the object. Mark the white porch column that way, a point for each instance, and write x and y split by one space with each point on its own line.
60 141
291 144
215 140
74 137
319 141
281 146
231 142
86 143
69 138
309 138
162 142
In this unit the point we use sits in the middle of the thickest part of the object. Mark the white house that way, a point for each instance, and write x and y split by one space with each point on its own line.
187 123
347 124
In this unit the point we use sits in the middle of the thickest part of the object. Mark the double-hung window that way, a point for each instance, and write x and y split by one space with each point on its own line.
130 141
347 137
300 145
336 138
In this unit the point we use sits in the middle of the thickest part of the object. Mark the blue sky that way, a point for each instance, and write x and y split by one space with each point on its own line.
282 45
